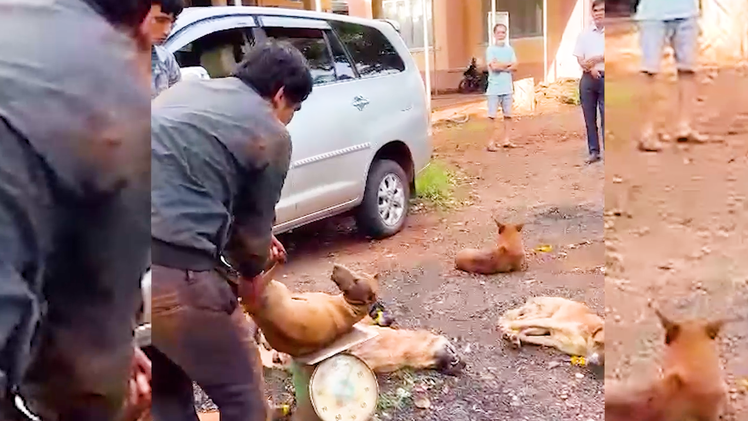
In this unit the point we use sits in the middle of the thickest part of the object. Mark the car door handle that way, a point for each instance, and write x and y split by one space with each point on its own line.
360 102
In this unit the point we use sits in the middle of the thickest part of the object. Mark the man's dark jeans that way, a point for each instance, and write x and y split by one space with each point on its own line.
200 334
592 96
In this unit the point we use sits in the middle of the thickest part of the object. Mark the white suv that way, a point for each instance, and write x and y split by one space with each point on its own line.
362 135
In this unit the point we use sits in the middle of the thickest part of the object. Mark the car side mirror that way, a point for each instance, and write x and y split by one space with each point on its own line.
195 72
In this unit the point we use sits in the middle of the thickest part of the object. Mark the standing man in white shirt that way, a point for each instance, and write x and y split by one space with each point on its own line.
590 53
674 22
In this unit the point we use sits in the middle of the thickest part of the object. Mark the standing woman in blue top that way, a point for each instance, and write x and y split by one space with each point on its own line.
501 63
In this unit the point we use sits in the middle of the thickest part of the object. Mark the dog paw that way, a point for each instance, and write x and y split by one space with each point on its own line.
513 338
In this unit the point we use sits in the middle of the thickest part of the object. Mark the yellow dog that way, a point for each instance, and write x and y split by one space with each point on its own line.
299 324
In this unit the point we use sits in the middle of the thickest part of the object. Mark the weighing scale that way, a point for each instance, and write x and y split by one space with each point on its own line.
332 385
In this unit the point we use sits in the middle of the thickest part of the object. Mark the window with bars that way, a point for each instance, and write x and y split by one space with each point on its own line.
525 17
409 15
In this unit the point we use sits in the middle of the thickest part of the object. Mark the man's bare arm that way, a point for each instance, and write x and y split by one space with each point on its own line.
595 60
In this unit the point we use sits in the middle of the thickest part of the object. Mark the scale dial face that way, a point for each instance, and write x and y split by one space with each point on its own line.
344 388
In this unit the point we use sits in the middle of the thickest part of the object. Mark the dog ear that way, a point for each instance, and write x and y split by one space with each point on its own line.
343 277
519 227
501 226
672 330
599 335
713 328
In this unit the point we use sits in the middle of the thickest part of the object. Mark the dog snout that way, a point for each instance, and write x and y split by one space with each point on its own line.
448 361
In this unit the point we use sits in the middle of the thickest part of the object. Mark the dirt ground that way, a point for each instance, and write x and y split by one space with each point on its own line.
676 226
544 184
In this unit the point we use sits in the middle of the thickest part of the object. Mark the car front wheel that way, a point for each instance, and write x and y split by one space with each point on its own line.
385 206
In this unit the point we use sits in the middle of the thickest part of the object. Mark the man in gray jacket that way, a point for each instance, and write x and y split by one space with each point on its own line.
74 200
165 70
220 154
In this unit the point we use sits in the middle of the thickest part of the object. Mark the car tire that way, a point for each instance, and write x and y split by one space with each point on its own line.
383 215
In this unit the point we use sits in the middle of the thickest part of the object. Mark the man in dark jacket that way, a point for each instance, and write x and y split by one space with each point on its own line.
74 199
220 154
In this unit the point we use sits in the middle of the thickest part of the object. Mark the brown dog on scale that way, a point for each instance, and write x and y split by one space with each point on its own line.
692 385
507 256
391 350
299 324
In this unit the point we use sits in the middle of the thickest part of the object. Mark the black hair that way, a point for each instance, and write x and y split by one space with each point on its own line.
272 65
495 27
128 13
170 7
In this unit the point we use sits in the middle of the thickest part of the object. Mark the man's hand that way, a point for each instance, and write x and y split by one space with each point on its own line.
139 387
251 291
595 73
592 61
277 251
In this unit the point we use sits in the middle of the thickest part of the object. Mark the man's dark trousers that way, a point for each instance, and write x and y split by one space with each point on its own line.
200 334
592 96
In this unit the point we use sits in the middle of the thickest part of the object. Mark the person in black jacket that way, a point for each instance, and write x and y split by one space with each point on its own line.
74 200
220 155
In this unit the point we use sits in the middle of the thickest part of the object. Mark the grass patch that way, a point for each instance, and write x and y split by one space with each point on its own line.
435 185
565 91
572 97
398 392
401 396
620 94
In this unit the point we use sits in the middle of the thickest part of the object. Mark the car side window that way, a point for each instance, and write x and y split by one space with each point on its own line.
371 51
343 66
218 52
312 44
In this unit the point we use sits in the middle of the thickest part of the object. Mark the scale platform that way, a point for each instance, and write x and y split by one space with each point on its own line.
332 385
358 335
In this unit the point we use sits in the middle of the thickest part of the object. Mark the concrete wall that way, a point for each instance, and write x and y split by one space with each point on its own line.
361 8
566 20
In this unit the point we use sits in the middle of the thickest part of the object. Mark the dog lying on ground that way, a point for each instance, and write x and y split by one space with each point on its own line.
298 324
389 351
557 322
692 385
507 256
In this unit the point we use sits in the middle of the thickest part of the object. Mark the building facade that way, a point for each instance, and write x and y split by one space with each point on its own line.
542 32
